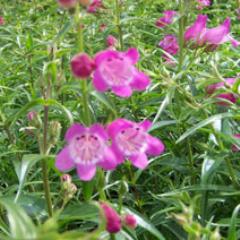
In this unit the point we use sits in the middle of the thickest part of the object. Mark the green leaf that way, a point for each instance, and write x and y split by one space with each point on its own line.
232 231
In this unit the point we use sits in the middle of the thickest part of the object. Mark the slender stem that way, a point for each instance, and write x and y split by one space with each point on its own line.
191 162
181 34
112 236
118 23
87 114
44 164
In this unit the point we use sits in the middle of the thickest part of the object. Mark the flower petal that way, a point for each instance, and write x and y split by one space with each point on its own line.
122 91
109 161
99 130
140 81
133 54
104 55
116 126
98 82
64 162
146 124
140 161
155 146
75 129
86 172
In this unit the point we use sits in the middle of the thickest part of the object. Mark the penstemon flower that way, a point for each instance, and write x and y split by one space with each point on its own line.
116 71
226 95
166 19
170 45
213 37
113 220
82 66
86 149
131 140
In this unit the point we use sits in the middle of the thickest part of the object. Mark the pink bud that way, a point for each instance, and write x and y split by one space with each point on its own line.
2 21
66 178
113 221
102 27
67 3
130 221
111 41
82 65
31 116
94 6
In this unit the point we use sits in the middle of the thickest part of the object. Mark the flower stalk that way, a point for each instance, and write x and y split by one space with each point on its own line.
118 23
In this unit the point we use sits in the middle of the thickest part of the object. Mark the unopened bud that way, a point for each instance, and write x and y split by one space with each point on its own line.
130 221
54 131
34 119
66 178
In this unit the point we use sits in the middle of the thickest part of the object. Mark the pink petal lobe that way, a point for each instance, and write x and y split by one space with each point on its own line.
75 129
99 130
117 125
140 161
146 125
64 162
86 172
155 146
133 54
140 81
122 91
98 82
109 161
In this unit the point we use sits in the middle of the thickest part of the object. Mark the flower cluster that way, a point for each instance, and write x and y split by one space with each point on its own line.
89 147
114 222
112 70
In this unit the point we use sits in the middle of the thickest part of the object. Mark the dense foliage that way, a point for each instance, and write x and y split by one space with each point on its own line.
189 191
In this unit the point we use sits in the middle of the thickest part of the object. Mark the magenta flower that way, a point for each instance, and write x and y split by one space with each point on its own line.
130 221
203 3
113 220
131 140
166 19
111 41
170 45
116 71
94 6
221 85
67 3
220 34
212 37
82 65
86 149
196 32
235 148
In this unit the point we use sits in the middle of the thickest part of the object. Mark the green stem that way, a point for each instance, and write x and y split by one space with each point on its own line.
181 34
112 236
44 164
231 173
87 114
191 162
118 23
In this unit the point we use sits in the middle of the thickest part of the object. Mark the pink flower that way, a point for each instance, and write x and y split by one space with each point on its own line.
111 41
220 34
196 32
170 45
221 85
86 149
113 220
102 27
116 71
94 6
82 65
32 115
67 3
1 21
166 19
235 148
130 221
203 3
213 37
130 140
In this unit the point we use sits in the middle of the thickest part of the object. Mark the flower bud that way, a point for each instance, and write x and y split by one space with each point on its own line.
34 119
66 178
82 65
67 3
113 220
130 221
1 21
111 41
54 131
85 3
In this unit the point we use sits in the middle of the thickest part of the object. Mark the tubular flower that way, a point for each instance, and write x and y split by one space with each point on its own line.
227 95
116 71
203 3
94 6
213 37
166 19
113 220
67 3
131 140
82 65
86 149
170 45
